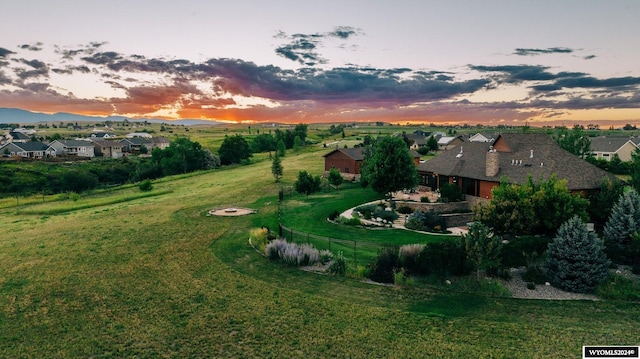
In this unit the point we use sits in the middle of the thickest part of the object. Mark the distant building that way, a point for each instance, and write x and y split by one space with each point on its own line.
139 134
606 147
73 148
30 149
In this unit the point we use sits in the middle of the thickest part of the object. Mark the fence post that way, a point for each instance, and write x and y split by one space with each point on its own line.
291 235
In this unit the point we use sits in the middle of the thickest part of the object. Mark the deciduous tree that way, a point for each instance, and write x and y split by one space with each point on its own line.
389 167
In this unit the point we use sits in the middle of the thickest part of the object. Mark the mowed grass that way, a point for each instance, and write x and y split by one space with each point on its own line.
158 277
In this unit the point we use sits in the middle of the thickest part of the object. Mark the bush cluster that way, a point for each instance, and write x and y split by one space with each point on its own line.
436 258
429 221
292 254
370 211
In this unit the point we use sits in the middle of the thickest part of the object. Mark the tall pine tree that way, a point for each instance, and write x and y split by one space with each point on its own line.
622 225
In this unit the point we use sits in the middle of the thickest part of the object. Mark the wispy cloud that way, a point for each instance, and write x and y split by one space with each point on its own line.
535 52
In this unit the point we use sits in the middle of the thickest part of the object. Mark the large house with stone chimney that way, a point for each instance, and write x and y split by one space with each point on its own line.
478 167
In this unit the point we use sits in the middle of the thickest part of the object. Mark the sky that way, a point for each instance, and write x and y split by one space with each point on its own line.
476 62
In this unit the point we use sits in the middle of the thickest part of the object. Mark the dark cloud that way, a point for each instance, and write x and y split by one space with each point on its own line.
344 32
535 52
69 70
589 57
4 52
88 49
39 68
32 47
4 80
302 48
520 73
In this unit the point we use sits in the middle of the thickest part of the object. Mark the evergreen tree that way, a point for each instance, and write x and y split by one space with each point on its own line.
576 259
622 225
281 148
634 181
432 144
276 167
482 247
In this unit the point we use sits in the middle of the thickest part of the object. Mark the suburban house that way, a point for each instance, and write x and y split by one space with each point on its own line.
349 160
108 149
102 135
18 137
135 144
448 142
139 134
606 147
483 137
416 140
73 148
159 142
31 149
477 167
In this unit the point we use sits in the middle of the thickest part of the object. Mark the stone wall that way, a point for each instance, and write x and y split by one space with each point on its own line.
437 207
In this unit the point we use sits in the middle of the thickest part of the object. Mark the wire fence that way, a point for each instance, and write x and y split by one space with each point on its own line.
361 252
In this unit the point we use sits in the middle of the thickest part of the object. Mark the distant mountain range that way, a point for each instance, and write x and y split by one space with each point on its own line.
23 117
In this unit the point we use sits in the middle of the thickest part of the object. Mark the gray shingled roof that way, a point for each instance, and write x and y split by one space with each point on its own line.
609 144
548 158
32 146
354 153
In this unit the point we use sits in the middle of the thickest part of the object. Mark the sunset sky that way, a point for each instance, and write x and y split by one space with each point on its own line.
491 62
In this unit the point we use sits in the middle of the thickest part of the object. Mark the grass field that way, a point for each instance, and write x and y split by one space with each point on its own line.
157 277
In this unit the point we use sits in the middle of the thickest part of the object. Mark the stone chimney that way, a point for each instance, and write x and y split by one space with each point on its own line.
493 163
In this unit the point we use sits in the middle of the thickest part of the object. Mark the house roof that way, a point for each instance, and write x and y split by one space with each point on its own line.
76 143
520 156
32 146
417 139
445 140
356 153
609 144
18 135
104 144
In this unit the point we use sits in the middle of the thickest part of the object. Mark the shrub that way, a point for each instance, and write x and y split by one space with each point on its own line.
531 285
443 258
146 185
576 260
516 251
404 210
339 265
353 221
291 254
401 279
367 210
408 255
259 238
534 274
620 288
335 214
425 221
325 256
450 192
388 216
424 199
383 267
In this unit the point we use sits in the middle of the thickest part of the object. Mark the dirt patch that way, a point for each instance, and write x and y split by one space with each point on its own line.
232 212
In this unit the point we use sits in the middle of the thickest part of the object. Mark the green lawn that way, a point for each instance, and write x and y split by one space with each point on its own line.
157 277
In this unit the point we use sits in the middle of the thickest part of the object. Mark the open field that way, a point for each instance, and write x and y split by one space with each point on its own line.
157 277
